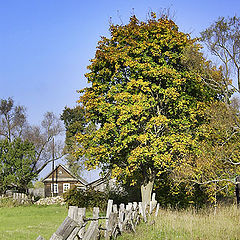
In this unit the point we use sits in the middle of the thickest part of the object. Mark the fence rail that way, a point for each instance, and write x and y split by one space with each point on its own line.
118 219
20 197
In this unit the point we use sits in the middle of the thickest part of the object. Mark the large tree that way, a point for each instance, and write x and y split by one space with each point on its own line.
145 100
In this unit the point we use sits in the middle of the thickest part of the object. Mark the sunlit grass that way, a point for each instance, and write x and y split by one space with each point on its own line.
31 221
191 225
28 222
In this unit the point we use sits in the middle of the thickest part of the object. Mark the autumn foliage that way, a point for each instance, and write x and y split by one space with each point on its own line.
147 98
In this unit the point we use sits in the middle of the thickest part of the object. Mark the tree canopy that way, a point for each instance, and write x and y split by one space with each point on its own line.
25 149
146 99
16 160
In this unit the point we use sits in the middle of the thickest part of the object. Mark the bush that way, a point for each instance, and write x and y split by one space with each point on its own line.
86 198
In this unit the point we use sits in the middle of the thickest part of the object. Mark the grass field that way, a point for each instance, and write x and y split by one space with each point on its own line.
28 222
31 221
190 225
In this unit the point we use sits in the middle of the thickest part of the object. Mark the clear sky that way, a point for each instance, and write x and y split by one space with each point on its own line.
46 45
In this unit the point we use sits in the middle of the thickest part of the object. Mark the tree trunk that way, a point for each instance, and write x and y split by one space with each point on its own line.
146 191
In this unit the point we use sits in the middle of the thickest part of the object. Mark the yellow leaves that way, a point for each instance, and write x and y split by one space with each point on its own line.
116 171
139 84
142 138
157 121
171 93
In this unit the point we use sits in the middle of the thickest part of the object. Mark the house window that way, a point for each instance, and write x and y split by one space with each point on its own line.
55 188
66 186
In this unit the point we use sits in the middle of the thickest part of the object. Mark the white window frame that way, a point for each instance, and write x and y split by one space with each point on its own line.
55 188
66 186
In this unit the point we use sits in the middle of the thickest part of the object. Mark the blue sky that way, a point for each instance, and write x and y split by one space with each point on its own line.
45 46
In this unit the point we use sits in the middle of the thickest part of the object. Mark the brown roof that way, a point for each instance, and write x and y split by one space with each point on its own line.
79 179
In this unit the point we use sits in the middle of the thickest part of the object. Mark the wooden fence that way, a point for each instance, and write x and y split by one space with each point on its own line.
117 220
20 197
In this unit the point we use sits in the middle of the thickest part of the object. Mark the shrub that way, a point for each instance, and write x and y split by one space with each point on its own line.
86 198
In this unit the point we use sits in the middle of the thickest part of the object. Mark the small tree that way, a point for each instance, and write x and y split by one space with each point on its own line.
19 137
16 158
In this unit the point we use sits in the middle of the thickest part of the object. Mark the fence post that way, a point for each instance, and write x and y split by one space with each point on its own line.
109 210
81 216
92 232
115 208
121 216
73 213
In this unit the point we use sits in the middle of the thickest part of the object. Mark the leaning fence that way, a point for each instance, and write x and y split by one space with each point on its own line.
118 219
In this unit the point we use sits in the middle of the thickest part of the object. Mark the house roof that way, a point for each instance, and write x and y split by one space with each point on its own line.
80 179
99 181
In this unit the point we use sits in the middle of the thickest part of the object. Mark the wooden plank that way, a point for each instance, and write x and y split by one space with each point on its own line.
74 234
115 208
65 229
156 213
109 207
127 224
81 218
130 206
154 197
73 212
112 225
151 207
81 215
109 210
135 205
121 216
77 214
56 237
121 212
92 232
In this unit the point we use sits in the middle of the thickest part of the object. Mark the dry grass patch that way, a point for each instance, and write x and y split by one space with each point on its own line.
192 225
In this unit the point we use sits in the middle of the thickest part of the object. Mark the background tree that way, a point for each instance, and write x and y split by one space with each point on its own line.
223 40
12 119
75 122
19 139
146 102
16 158
217 165
42 137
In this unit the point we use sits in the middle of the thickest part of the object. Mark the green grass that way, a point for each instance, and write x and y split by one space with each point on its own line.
28 222
191 225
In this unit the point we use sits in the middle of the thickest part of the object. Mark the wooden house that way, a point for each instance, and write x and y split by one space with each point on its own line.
60 180
105 183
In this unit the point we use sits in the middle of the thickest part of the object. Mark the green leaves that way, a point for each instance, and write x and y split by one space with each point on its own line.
145 98
16 160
